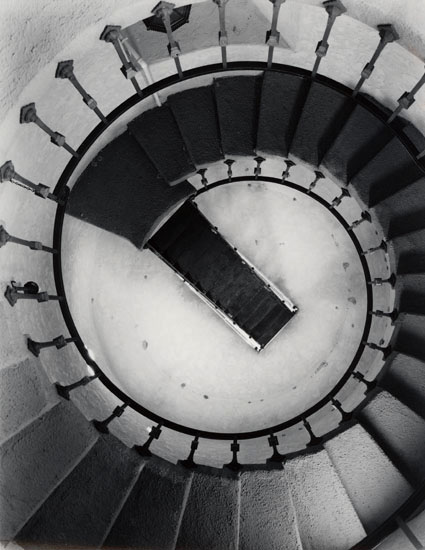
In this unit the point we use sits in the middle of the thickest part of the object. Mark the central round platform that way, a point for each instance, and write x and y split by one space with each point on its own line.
164 347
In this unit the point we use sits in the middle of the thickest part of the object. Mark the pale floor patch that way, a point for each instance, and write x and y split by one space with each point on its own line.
169 351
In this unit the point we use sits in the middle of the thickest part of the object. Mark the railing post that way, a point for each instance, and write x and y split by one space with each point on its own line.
154 433
276 456
365 217
379 282
8 173
318 176
257 169
234 464
164 10
393 315
30 291
204 180
5 238
189 462
383 245
337 200
370 385
28 114
273 35
59 342
407 99
112 35
102 425
222 33
345 416
334 8
387 34
65 70
314 440
386 352
412 538
285 173
229 163
64 391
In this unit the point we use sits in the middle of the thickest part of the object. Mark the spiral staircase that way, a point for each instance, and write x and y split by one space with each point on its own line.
91 459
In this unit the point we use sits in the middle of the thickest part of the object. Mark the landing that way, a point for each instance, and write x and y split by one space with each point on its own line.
169 351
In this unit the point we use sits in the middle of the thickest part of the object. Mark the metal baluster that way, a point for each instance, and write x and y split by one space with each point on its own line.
285 173
58 342
379 282
8 173
154 433
102 425
313 439
223 40
234 464
257 169
334 9
393 315
386 352
189 462
407 99
276 456
345 416
273 35
164 10
64 391
365 217
30 291
112 35
388 34
5 238
337 200
28 114
65 70
229 163
383 245
370 385
318 176
204 180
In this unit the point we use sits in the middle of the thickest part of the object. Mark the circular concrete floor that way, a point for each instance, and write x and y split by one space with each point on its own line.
170 352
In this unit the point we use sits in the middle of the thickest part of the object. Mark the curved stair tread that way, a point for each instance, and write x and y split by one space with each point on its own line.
405 379
327 519
238 101
410 336
324 114
411 291
360 140
36 459
81 509
159 136
211 516
409 251
399 431
372 482
195 111
277 120
267 514
151 516
121 192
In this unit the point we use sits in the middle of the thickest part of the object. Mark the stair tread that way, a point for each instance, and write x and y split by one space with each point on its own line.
238 100
159 136
268 327
164 237
196 114
121 191
263 309
277 119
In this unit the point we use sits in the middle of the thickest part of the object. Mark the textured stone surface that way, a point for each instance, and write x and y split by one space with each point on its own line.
374 485
411 293
196 114
159 136
409 251
80 510
36 459
326 517
405 379
400 432
151 515
24 392
323 115
238 101
267 515
277 120
411 336
211 516
122 192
